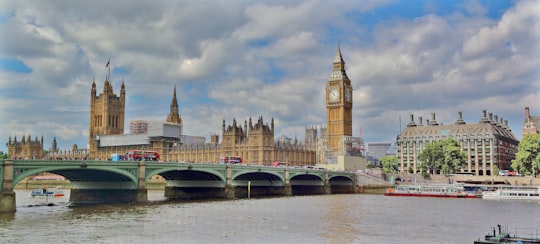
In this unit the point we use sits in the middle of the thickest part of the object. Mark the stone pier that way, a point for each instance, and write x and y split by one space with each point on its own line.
7 195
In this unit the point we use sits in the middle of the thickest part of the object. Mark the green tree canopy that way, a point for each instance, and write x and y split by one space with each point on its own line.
445 156
3 156
390 164
527 159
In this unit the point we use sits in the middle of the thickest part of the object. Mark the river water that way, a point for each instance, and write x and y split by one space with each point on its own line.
351 218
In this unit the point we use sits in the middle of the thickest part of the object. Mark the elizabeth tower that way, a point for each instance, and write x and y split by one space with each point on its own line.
339 103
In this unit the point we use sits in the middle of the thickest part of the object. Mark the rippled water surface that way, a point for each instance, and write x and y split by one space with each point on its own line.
354 218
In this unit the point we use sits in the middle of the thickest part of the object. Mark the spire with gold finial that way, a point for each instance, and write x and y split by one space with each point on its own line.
174 115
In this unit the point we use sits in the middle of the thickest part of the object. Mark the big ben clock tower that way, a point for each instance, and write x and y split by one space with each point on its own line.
338 106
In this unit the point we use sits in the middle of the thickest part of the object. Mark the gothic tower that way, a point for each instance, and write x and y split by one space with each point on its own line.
106 113
233 138
54 145
339 102
174 115
26 148
310 135
531 125
260 141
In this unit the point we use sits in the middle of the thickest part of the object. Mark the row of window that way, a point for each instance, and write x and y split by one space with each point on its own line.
486 136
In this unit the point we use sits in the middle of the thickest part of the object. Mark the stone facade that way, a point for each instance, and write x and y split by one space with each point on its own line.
106 114
26 148
254 142
339 103
531 125
488 143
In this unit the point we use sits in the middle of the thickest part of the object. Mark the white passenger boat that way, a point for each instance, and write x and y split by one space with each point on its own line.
513 192
46 193
432 190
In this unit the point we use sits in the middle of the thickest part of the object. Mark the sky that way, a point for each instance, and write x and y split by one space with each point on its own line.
240 59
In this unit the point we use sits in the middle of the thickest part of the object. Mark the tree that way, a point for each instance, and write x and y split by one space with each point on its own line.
495 170
424 170
445 156
390 164
527 159
3 155
431 157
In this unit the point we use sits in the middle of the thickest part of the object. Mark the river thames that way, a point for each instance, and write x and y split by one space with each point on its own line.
351 218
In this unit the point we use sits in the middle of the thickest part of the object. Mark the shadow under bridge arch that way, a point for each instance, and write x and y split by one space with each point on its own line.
97 179
256 179
192 178
341 184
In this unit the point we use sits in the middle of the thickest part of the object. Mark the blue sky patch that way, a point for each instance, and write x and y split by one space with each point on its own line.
120 71
14 65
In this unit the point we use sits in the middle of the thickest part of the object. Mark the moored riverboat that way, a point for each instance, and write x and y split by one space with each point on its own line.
507 192
46 193
504 237
432 190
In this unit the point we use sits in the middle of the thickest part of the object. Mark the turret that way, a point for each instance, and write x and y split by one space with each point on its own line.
484 118
93 90
460 120
223 126
411 121
433 120
123 89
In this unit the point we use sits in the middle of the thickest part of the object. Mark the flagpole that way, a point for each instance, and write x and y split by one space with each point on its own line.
109 72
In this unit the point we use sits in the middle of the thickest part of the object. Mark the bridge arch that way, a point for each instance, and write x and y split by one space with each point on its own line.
307 179
164 170
257 178
79 174
190 178
340 180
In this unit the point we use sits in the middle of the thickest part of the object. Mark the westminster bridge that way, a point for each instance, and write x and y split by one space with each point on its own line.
125 181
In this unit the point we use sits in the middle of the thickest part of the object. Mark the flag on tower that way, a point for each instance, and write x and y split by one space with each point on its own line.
108 62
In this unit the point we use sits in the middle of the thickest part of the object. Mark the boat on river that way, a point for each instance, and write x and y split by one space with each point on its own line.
504 237
432 190
508 192
46 193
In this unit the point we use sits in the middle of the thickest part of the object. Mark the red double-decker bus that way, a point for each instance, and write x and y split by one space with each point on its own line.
230 160
140 155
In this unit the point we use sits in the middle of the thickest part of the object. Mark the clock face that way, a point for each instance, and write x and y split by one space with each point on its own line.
348 95
334 95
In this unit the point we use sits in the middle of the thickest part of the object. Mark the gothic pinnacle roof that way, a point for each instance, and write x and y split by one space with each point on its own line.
338 68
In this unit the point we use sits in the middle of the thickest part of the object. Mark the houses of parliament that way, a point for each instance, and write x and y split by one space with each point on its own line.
253 140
